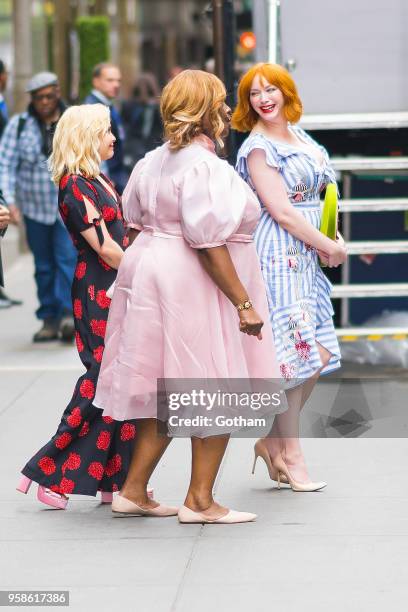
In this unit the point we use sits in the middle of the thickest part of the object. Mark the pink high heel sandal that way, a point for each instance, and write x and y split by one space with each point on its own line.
44 495
58 501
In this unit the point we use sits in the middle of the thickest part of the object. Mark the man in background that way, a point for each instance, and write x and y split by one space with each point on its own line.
29 193
106 80
3 106
5 300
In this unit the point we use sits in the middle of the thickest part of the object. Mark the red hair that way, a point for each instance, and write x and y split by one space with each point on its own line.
244 116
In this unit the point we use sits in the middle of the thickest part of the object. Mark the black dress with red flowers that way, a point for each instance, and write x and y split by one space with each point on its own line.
89 452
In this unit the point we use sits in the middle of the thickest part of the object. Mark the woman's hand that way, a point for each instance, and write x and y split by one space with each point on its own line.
4 217
250 322
337 254
340 240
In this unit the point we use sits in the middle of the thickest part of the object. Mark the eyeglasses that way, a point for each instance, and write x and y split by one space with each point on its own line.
39 97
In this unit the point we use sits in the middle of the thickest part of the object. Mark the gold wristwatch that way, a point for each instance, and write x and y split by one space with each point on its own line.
244 306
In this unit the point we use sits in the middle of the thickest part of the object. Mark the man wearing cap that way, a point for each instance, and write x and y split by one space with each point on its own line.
29 193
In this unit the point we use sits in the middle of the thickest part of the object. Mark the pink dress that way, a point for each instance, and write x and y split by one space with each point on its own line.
167 318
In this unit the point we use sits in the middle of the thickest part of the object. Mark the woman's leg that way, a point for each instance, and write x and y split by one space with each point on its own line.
148 450
284 436
207 454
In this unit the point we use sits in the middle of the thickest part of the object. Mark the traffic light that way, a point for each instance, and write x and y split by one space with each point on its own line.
247 40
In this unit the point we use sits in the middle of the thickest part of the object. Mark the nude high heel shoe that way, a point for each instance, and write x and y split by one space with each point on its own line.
185 515
260 450
281 467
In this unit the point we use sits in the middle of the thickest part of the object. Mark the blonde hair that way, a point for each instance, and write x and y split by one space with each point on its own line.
76 141
184 102
244 116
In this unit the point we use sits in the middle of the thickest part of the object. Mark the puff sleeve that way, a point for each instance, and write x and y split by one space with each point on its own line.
73 189
132 213
273 154
212 203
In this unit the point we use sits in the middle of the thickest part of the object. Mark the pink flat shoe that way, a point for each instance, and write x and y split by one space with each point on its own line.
122 507
185 515
107 496
44 495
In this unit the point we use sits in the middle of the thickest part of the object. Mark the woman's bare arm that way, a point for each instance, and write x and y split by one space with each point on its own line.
270 187
109 251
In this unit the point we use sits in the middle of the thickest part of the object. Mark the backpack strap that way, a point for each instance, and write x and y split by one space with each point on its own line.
21 124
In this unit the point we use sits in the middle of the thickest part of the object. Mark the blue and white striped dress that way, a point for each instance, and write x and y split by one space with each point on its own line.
298 292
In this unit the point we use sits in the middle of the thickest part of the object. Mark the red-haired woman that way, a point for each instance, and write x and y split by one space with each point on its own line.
288 170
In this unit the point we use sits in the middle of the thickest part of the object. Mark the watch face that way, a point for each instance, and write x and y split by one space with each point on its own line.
247 305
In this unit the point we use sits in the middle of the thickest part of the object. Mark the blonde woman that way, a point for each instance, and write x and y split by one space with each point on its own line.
189 300
88 452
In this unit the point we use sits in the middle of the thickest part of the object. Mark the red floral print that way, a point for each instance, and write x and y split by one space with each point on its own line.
72 463
79 343
293 263
103 440
80 269
84 429
115 487
63 440
113 465
287 370
47 465
77 192
87 388
66 485
102 300
64 211
104 264
97 353
75 418
77 309
91 187
303 350
64 181
127 432
107 419
91 292
95 469
125 242
108 213
98 327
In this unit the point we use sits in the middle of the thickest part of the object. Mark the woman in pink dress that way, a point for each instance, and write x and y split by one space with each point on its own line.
182 303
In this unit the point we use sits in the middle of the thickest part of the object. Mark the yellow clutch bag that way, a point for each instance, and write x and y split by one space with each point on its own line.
330 212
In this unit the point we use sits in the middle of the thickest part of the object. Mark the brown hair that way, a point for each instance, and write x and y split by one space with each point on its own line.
185 100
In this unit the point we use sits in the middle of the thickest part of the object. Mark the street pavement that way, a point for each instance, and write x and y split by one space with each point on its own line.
343 549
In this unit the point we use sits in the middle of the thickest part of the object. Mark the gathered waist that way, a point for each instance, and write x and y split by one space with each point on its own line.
157 233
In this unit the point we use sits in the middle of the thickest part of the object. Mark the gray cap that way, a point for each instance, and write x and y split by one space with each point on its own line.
40 80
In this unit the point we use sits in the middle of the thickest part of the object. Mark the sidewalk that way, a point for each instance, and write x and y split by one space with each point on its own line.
343 549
